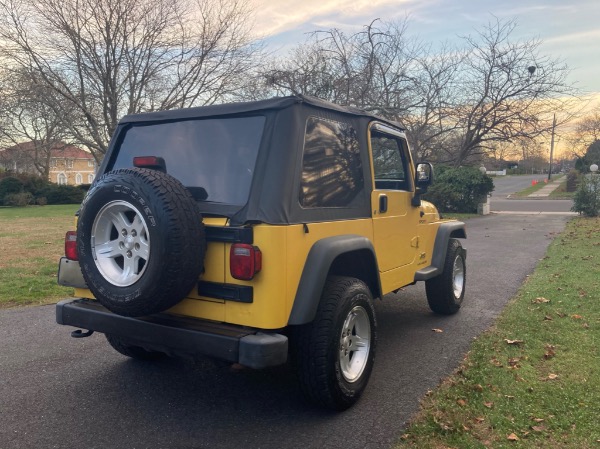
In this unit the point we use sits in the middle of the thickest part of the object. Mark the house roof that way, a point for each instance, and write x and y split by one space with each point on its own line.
58 150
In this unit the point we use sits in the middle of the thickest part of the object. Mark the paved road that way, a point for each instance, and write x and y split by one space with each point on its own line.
506 185
59 392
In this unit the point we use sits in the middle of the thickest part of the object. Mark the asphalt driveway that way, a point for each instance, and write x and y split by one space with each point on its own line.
59 392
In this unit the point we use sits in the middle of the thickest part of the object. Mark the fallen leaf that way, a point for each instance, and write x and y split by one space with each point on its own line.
488 404
513 342
478 387
512 437
552 376
549 352
439 331
496 363
479 419
547 318
576 317
514 362
538 428
540 300
561 314
461 402
538 419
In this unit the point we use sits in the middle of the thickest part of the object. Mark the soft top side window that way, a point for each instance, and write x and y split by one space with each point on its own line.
390 162
332 174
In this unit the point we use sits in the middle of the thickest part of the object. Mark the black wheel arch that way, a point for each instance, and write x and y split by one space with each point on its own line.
344 255
446 231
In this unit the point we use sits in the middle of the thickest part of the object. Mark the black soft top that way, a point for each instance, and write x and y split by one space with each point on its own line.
243 108
276 183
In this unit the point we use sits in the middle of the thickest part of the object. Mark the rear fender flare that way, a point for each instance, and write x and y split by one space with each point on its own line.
319 263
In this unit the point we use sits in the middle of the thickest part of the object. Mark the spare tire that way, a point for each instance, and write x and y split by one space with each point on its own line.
140 241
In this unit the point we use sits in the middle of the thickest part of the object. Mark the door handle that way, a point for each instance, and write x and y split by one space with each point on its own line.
383 204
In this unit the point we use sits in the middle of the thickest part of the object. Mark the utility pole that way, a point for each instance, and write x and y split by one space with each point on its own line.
552 147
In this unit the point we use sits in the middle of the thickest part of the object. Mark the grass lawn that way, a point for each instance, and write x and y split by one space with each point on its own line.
535 188
533 380
31 243
457 216
561 192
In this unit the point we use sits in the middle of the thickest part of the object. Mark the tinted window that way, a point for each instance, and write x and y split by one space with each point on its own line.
215 157
331 167
389 162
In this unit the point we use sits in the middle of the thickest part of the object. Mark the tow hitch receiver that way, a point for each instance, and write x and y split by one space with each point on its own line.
81 334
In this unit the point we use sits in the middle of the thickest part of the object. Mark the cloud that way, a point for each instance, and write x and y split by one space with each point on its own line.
589 37
284 15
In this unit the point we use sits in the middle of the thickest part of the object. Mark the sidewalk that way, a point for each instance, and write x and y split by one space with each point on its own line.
545 191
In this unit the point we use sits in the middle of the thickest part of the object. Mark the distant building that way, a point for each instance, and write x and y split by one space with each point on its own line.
67 164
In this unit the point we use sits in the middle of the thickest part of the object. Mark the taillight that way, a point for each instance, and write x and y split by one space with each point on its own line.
71 245
152 162
244 261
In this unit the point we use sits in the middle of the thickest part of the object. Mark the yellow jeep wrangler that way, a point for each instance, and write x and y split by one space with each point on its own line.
251 232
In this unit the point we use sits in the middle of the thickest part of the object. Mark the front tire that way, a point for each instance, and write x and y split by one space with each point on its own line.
334 354
445 292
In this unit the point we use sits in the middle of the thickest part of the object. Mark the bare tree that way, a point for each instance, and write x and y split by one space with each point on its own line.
506 90
586 133
456 104
369 69
429 125
103 59
29 123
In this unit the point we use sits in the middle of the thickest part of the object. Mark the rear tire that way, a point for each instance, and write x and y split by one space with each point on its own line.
122 346
334 354
446 291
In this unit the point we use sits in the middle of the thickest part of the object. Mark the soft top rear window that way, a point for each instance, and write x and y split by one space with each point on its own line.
213 156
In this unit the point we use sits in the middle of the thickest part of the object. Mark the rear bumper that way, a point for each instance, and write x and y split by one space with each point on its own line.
179 336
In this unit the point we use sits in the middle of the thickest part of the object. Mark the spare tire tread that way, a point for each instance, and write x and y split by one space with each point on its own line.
177 241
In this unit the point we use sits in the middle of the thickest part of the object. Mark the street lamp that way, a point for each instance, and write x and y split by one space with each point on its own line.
593 168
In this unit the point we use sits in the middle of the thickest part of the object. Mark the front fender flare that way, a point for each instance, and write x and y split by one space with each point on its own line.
446 231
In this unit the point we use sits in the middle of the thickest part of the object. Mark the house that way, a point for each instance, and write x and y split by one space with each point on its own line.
65 164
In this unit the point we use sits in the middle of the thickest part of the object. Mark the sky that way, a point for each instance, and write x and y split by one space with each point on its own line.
568 29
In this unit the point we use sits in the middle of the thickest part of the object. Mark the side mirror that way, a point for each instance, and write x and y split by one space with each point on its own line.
424 175
423 179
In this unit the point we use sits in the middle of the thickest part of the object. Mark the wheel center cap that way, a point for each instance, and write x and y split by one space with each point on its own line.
129 242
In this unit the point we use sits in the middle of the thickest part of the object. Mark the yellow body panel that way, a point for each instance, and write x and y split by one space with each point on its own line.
284 252
395 229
